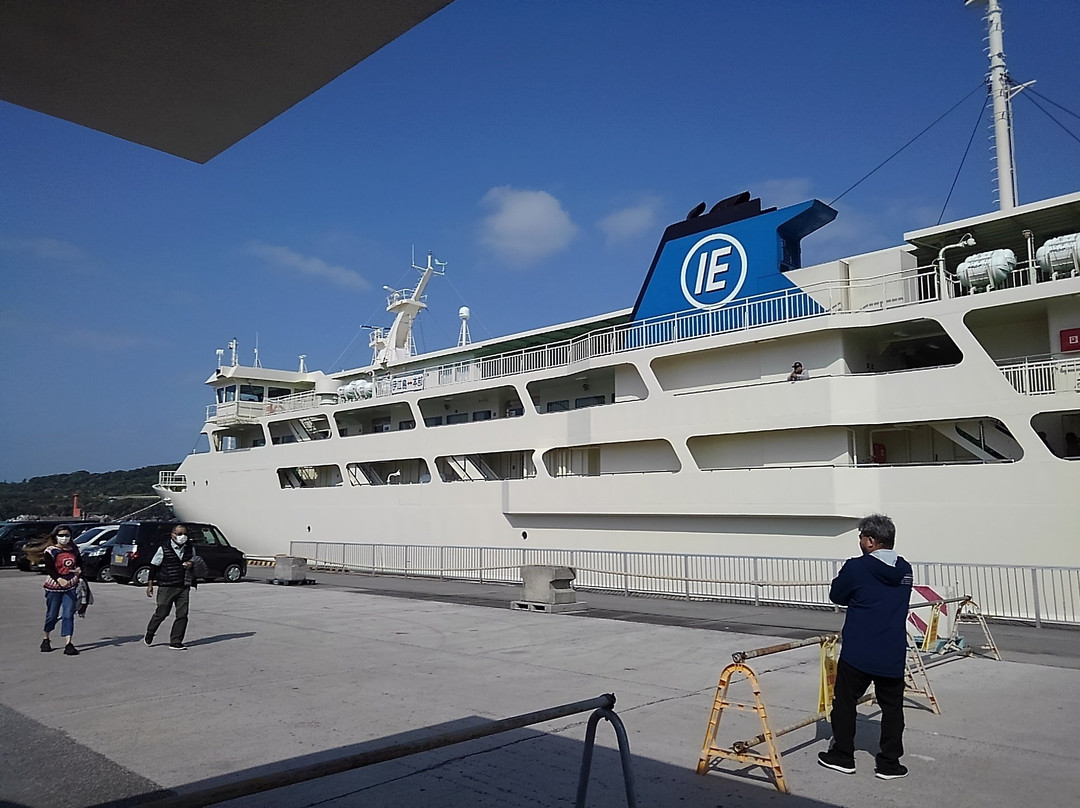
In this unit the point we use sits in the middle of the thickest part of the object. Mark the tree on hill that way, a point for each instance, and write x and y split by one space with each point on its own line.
111 494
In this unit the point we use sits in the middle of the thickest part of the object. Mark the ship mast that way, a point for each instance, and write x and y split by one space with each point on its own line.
1002 91
405 304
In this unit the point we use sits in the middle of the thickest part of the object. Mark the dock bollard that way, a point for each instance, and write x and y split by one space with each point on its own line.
547 589
290 569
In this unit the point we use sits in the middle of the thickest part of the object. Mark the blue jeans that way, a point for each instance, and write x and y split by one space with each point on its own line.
54 602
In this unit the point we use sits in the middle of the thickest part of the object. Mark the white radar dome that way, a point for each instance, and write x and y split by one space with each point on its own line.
464 313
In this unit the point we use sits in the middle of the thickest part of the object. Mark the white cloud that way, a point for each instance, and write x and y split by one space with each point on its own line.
292 261
630 222
45 249
524 226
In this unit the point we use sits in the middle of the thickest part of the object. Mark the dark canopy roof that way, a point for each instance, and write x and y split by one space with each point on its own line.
188 77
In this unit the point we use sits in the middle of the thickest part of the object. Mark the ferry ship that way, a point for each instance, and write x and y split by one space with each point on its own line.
940 384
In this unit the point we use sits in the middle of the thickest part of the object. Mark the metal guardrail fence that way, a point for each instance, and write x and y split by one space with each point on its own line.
283 775
1038 594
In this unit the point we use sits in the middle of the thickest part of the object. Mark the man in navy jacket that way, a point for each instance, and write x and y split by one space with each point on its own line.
876 588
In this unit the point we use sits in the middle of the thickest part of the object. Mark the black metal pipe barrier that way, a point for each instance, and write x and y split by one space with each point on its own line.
268 782
624 754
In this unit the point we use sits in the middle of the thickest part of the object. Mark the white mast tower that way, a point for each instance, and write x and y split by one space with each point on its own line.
1002 90
397 344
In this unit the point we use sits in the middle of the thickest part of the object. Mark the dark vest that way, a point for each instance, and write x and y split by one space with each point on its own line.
171 571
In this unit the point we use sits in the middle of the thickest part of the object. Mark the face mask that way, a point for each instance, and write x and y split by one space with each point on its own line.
63 539
179 539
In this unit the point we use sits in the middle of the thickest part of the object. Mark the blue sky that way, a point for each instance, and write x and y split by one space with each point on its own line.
538 147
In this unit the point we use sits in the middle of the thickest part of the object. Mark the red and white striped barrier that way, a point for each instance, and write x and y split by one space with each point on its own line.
926 622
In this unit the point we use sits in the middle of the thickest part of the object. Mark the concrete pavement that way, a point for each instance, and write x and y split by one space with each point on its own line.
277 676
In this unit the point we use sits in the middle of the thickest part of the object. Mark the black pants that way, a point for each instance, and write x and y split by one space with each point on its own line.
851 684
166 597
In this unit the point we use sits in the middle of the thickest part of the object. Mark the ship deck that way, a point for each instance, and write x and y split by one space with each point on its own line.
281 675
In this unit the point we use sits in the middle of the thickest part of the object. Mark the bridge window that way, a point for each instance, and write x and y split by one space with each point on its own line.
251 392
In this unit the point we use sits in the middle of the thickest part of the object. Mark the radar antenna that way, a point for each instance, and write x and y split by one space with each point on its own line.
463 336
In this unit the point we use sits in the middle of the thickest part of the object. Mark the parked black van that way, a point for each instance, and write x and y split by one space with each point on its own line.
136 543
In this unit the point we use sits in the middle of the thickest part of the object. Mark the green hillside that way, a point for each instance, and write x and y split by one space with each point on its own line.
111 494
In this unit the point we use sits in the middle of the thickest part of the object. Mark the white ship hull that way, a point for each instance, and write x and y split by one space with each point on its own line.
925 402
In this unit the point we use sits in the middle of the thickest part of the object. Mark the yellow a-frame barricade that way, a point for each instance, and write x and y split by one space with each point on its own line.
741 751
915 678
916 682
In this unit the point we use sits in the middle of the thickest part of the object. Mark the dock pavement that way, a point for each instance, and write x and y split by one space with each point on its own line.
278 677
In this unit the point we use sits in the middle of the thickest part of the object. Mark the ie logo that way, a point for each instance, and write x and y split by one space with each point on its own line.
713 271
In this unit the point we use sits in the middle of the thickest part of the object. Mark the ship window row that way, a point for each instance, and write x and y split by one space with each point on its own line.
948 442
490 466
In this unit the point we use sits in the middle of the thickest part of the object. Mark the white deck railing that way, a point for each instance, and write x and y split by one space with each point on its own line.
172 481
233 412
1043 375
904 288
816 300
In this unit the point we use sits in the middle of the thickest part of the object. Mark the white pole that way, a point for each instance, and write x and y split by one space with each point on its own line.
1001 90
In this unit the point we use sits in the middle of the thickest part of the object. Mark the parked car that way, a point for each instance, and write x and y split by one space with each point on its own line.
136 542
95 547
14 536
95 536
89 538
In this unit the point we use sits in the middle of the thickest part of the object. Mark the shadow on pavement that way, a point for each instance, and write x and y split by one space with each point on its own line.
522 767
239 635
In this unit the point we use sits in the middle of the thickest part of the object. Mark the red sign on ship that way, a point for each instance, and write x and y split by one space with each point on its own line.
1070 340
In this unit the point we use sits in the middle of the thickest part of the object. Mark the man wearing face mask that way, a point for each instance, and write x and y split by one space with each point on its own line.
170 567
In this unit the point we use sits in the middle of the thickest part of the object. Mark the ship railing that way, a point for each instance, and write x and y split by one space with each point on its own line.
1042 375
907 287
294 402
172 481
1028 273
1038 594
235 412
1025 273
910 286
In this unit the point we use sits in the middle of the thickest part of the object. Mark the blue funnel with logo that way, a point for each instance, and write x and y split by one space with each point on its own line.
733 253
